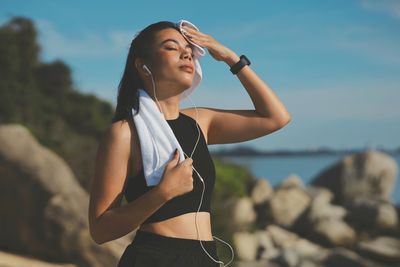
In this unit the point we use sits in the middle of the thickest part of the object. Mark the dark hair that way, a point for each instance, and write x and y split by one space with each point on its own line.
141 47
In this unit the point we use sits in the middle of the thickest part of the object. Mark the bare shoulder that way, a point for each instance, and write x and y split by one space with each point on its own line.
118 138
202 117
118 132
111 167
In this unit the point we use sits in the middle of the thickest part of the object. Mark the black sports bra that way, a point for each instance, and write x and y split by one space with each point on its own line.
185 130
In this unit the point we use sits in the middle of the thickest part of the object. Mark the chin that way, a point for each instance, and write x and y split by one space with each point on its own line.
186 84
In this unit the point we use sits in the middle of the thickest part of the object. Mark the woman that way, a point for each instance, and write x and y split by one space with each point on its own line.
164 214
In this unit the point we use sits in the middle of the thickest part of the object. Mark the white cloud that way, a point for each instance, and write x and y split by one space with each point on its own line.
121 39
364 101
389 6
90 45
368 41
360 100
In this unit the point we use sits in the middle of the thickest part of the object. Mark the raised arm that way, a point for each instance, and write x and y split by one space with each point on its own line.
231 126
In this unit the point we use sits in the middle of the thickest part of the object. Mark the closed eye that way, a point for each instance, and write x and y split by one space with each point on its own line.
170 48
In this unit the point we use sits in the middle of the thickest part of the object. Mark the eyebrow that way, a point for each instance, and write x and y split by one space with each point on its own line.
175 41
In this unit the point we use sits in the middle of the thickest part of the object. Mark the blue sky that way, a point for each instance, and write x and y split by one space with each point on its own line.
334 64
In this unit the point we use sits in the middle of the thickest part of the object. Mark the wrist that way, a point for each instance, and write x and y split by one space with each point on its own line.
162 193
242 62
232 59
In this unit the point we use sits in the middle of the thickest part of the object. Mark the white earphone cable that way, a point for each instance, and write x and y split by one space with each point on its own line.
201 179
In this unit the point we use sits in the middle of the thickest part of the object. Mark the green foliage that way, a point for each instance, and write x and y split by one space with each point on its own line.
41 96
232 179
54 79
231 182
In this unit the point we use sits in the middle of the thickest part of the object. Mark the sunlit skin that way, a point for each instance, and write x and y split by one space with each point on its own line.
171 50
170 80
119 154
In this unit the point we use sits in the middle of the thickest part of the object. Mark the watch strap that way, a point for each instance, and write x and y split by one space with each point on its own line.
243 61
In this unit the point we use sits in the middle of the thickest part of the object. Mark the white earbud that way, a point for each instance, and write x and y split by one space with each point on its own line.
146 69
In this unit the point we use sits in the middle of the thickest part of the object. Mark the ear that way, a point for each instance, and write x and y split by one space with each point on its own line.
139 66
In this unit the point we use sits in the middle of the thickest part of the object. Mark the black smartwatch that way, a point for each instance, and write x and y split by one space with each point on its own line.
240 64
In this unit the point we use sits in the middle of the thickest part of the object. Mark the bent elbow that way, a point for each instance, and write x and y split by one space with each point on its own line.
95 236
283 122
97 239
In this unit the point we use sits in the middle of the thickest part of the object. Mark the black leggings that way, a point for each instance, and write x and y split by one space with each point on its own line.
150 249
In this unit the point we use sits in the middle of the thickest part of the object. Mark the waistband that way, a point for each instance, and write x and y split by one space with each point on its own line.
180 244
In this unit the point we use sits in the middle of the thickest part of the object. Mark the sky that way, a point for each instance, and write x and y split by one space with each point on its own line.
334 64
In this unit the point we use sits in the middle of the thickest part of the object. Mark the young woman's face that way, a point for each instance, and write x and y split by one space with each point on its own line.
172 52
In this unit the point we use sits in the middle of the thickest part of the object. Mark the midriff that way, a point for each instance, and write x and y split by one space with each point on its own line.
183 226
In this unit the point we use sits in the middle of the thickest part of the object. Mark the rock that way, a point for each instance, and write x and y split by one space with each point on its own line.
261 191
281 237
246 245
370 174
13 260
266 247
288 258
46 212
292 180
307 263
372 214
263 263
387 216
323 222
335 232
323 194
284 239
287 204
240 212
347 258
322 209
385 249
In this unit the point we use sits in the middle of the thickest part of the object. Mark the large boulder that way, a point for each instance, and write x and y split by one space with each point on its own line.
261 191
335 233
13 260
246 245
324 222
344 257
288 202
372 215
370 174
44 209
383 248
286 240
240 212
254 246
321 207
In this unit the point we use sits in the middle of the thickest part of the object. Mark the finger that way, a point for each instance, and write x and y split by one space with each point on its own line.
189 161
198 40
193 31
202 37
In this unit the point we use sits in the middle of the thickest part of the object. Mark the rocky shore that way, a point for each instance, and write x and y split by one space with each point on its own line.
44 209
345 217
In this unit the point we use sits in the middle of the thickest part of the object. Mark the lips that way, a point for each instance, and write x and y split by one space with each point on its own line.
187 68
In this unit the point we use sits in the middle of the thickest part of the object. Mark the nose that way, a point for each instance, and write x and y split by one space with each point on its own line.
187 54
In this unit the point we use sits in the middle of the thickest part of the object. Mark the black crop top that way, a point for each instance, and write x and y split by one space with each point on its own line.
185 130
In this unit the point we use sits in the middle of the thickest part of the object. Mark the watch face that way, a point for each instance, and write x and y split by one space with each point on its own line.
245 59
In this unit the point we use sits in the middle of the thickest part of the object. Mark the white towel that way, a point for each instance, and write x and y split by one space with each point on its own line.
198 52
157 140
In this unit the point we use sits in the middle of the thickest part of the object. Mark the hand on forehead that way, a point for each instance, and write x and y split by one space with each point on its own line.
197 49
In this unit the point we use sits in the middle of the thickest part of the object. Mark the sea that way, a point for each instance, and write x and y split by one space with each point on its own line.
277 168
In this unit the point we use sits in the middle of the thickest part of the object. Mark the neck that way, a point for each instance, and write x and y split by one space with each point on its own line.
167 100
